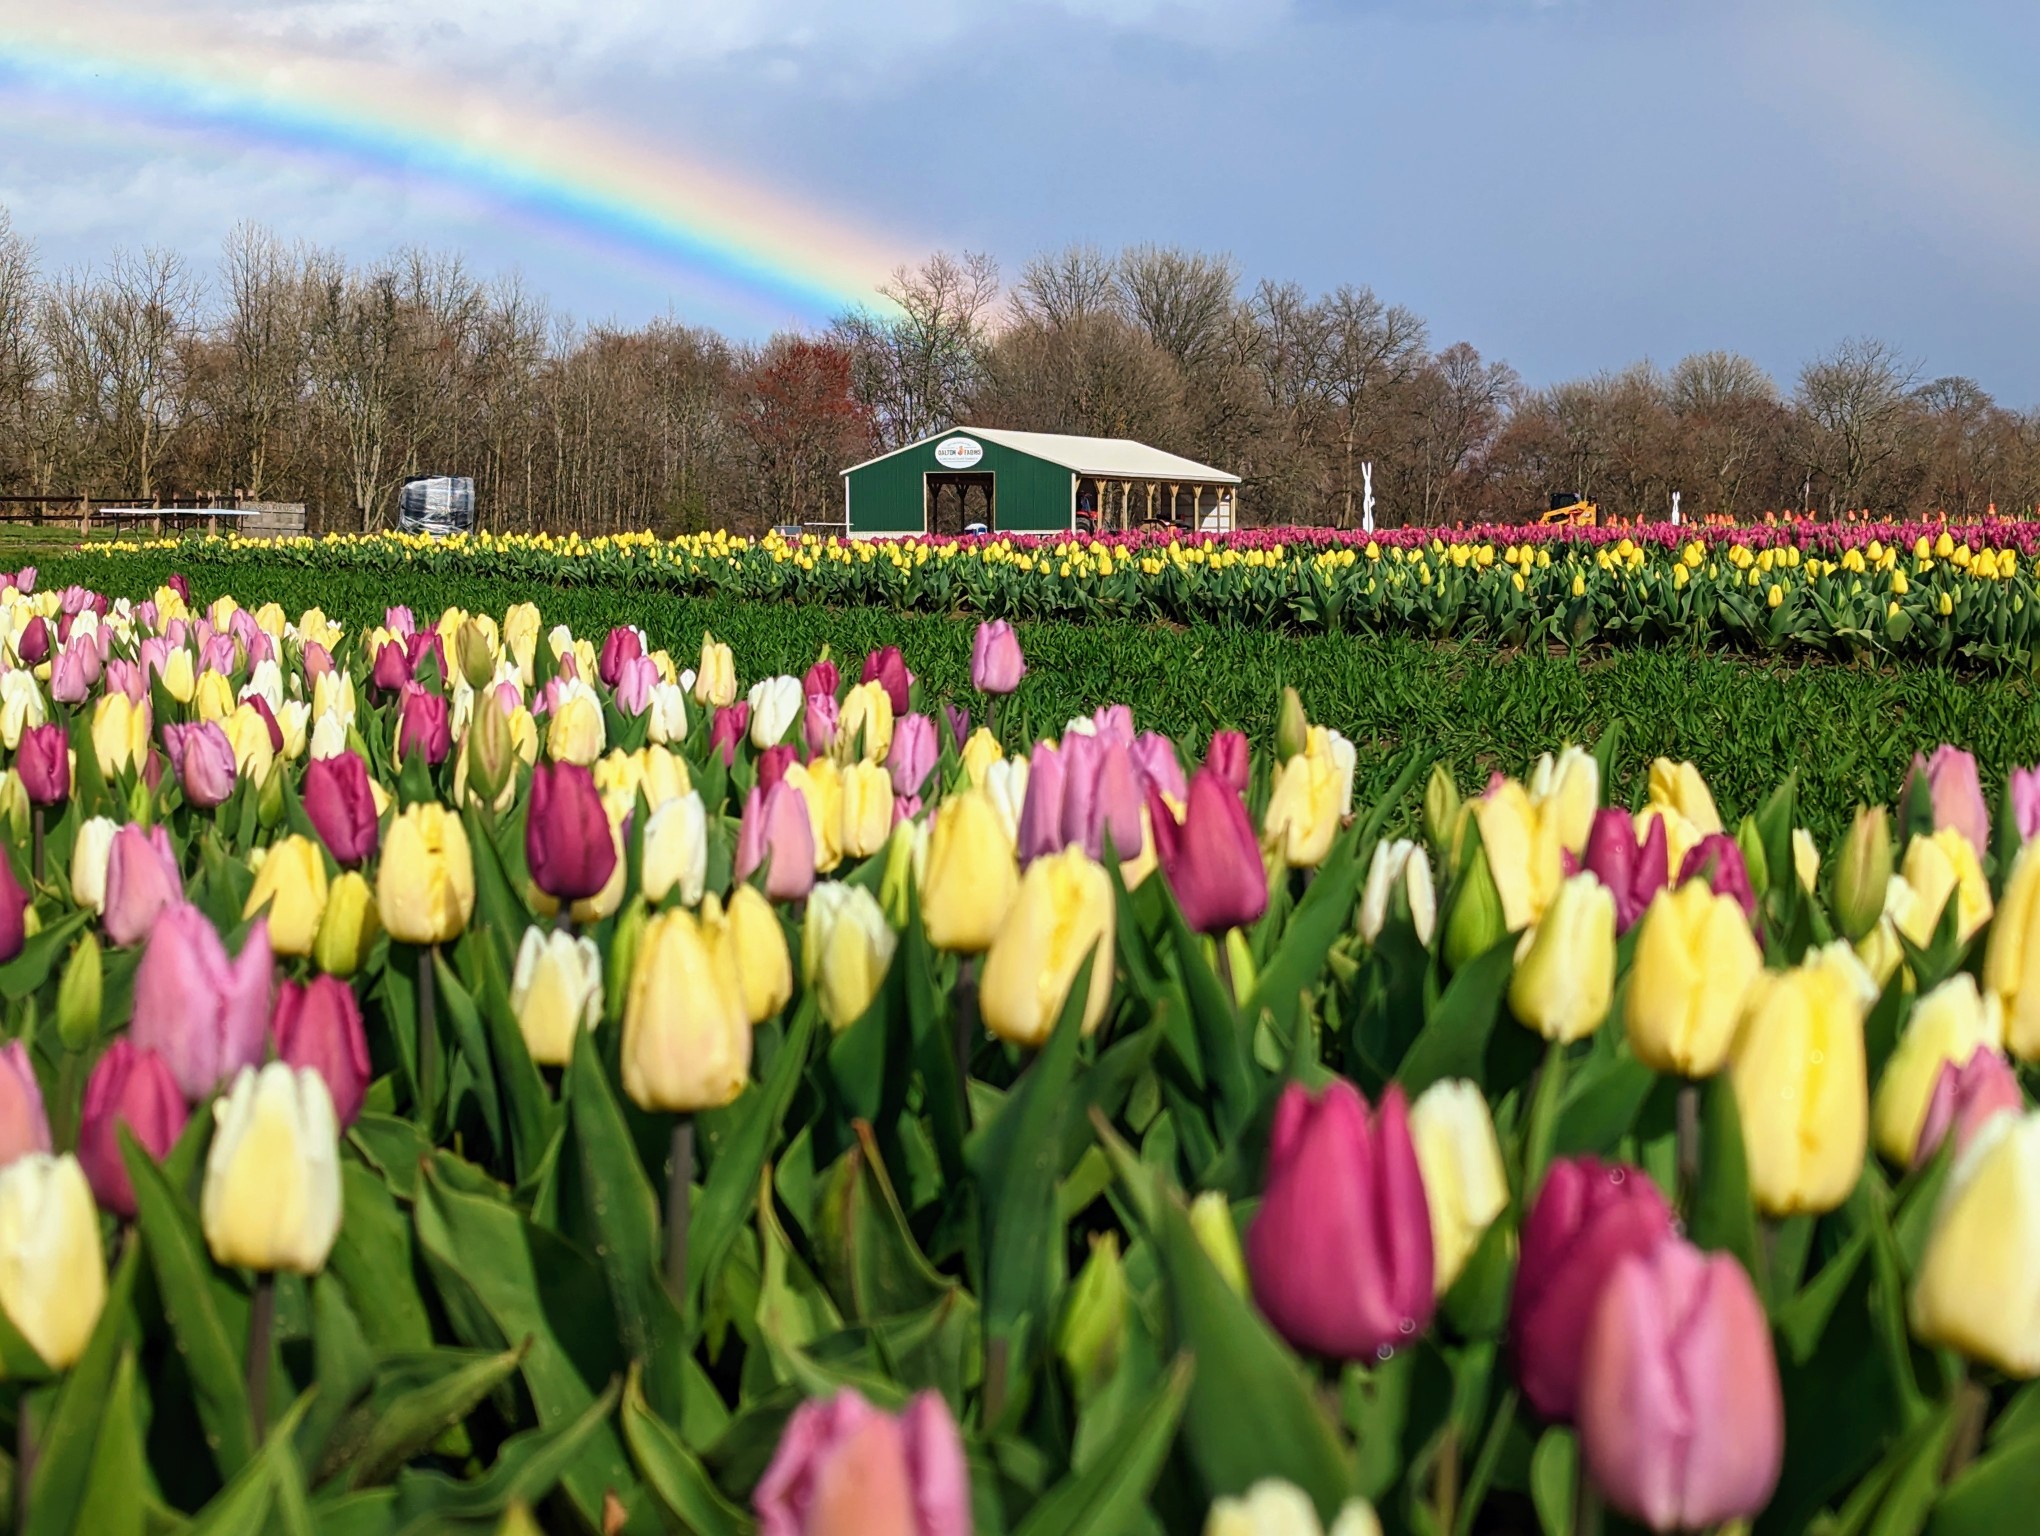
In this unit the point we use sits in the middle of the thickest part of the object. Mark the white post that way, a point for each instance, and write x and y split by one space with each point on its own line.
1367 496
1675 509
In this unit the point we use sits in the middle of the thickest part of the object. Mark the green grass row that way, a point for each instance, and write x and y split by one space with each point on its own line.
1848 731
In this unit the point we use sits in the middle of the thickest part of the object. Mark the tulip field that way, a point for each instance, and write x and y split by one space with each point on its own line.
466 1070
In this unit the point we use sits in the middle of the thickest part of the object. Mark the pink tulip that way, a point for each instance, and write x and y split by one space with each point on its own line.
843 1468
1956 794
773 763
341 806
13 911
44 763
726 730
391 670
888 669
153 652
74 671
132 1087
905 808
995 662
1229 757
822 678
423 726
2025 787
1211 860
203 760
1633 874
318 661
1718 860
23 581
127 677
1155 760
1114 722
399 621
818 725
142 881
775 834
204 1013
1340 1253
24 1127
220 654
913 753
318 1025
1101 796
634 684
74 600
1965 1098
1041 812
566 834
620 646
1682 1418
1587 1215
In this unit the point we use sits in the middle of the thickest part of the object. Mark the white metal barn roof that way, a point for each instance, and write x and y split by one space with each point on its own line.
1107 458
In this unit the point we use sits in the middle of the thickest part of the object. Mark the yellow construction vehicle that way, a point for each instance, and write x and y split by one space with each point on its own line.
1571 509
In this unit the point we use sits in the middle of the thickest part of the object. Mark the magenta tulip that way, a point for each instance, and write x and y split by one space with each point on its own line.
844 1468
260 705
1956 794
1340 1254
1101 796
135 1088
24 1127
1041 812
13 911
818 723
44 763
995 662
566 835
74 671
2025 790
913 753
776 835
203 760
142 880
318 1025
1587 1215
1155 760
341 806
726 730
822 678
1682 1418
1212 862
391 670
34 645
888 669
1718 860
1633 874
423 726
1229 757
620 645
1965 1098
421 645
773 763
204 1013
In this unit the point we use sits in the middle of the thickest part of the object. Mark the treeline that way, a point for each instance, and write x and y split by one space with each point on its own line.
288 373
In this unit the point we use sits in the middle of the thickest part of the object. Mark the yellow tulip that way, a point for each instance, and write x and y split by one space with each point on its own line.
1978 1289
120 733
1800 1082
867 717
555 992
179 676
979 753
575 732
1947 1027
846 947
971 878
1695 961
425 885
520 634
213 698
248 734
1680 787
686 1034
1567 790
715 680
676 850
2011 956
820 783
1063 915
867 814
1880 948
349 926
52 1264
1273 1507
1523 852
1564 980
1940 865
291 885
756 944
271 1198
1302 817
333 694
1806 860
1460 1158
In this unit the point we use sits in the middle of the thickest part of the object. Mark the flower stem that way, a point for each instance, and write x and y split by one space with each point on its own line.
679 1203
1586 1502
1689 1145
24 1461
1972 1408
428 1032
36 866
261 1325
969 1025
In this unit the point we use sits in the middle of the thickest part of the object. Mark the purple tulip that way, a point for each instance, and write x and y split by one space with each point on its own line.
1587 1215
423 726
13 911
24 1126
142 881
44 763
34 645
843 1468
775 834
341 806
204 1013
2025 787
74 671
135 1088
220 654
1211 860
1231 759
318 1025
1041 813
995 662
888 669
1956 794
818 725
566 835
1633 874
1340 1254
620 646
127 677
1155 760
1719 861
913 753
1965 1098
956 721
1682 1417
203 760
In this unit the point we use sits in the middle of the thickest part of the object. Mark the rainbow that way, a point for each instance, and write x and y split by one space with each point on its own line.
569 177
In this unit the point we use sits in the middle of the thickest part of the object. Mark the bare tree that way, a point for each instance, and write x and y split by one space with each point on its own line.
1182 299
1854 405
1068 288
915 367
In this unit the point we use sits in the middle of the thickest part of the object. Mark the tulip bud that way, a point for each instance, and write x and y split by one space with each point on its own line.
1211 1220
1465 1185
843 1466
1063 914
1340 1253
566 835
846 947
78 996
1863 870
476 656
1092 1330
1799 1078
271 1199
134 1088
142 879
44 763
349 926
1756 866
339 802
425 885
1564 982
1441 809
750 934
52 1265
91 852
1978 1285
1476 922
1292 726
906 856
888 669
686 1032
1694 963
490 752
555 991
971 881
1682 1418
24 1125
291 887
715 680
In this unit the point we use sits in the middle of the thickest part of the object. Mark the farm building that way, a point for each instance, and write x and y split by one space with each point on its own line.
1031 482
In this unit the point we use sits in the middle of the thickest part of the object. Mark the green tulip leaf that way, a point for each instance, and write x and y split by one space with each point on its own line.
1455 1036
673 1472
1109 1496
68 1445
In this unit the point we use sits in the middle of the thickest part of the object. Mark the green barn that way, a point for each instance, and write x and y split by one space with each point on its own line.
1032 482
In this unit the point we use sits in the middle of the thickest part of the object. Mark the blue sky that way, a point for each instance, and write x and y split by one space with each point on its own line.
1569 184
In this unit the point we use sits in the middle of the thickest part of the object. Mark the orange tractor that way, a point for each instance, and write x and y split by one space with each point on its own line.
1570 509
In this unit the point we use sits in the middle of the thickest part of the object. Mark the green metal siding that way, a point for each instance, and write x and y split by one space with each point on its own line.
1030 495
